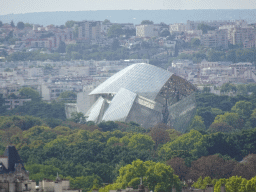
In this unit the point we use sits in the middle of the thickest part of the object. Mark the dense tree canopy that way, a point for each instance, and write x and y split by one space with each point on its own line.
90 154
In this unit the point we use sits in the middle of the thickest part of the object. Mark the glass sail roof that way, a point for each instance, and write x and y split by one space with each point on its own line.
143 79
94 112
120 106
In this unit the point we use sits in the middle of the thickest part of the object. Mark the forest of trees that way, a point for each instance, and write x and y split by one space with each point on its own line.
218 147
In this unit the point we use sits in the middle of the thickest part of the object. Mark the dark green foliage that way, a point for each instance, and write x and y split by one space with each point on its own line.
41 109
165 33
12 24
30 93
195 42
146 22
115 31
62 47
32 56
20 25
211 100
52 122
24 123
108 126
70 23
220 127
106 21
115 45
67 95
89 155
205 28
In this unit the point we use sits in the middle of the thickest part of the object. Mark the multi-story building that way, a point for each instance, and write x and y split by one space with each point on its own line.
245 36
89 30
214 39
147 30
177 27
14 103
52 91
49 43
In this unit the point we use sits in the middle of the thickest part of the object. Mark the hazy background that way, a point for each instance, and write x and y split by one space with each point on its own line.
57 12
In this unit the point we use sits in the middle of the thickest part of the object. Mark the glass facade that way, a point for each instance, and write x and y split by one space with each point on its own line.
144 94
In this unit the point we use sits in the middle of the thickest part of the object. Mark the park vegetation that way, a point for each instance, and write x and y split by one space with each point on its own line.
217 148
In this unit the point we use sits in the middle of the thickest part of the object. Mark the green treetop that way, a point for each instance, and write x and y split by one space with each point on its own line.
155 176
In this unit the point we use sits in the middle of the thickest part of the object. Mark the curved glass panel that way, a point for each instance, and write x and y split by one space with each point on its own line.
94 113
143 79
120 106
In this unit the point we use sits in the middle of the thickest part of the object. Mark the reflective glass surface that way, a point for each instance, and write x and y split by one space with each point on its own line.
94 112
143 79
120 106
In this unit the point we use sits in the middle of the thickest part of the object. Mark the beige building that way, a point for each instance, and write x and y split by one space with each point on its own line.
214 39
146 31
240 35
55 186
177 27
89 30
245 36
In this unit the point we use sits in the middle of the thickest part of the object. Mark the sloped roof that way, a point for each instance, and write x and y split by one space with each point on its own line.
143 79
120 106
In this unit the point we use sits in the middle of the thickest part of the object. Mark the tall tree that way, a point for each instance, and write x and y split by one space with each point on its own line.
12 24
29 93
115 30
179 167
213 166
20 25
159 134
157 176
62 47
106 21
146 22
70 23
243 109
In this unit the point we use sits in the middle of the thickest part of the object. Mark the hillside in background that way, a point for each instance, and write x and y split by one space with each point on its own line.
131 16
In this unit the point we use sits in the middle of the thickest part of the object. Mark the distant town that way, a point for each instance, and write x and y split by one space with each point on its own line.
80 55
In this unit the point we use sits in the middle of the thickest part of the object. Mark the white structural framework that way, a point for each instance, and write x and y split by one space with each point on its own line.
144 94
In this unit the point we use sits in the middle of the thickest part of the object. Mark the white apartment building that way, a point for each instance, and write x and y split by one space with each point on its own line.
245 36
181 63
75 71
207 64
214 39
52 91
177 27
147 30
